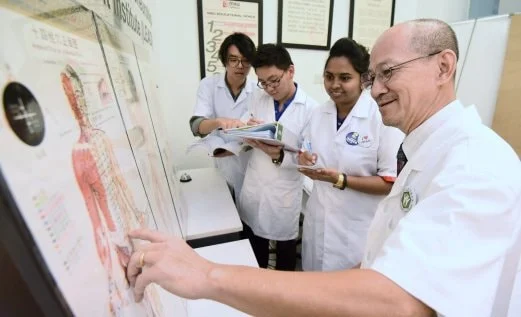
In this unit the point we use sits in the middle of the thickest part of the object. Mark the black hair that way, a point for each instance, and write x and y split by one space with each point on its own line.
272 55
357 54
243 43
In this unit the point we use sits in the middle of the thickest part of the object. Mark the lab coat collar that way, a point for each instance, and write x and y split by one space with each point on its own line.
221 83
300 96
430 137
360 109
418 136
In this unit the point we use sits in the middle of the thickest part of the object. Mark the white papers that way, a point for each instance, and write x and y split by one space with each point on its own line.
310 167
216 144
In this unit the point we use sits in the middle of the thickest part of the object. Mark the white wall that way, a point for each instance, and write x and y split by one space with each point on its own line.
446 10
509 6
177 55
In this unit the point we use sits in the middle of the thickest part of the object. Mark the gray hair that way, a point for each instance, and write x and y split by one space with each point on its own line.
432 35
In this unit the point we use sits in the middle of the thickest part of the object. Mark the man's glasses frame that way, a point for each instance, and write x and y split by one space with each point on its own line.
270 83
387 72
234 62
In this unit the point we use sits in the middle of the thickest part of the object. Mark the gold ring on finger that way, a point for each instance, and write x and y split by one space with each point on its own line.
141 260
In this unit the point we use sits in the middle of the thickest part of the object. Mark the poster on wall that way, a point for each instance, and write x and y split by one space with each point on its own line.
130 96
370 18
66 162
132 17
305 23
219 18
146 71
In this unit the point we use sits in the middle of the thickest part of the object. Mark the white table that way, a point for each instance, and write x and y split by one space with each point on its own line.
209 205
236 252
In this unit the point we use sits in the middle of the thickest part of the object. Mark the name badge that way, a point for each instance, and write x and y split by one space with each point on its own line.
354 138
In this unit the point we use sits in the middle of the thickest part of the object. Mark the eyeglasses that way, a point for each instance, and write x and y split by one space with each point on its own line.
386 72
270 83
235 61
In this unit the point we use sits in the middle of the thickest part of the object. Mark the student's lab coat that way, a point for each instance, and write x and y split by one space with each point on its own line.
336 221
271 197
215 101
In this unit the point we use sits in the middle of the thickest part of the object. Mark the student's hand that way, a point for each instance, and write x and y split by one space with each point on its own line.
272 151
306 158
254 121
170 263
329 175
227 123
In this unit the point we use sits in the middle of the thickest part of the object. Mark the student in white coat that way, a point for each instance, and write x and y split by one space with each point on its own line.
222 99
445 242
271 197
358 155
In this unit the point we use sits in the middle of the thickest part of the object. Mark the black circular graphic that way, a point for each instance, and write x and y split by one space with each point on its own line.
24 114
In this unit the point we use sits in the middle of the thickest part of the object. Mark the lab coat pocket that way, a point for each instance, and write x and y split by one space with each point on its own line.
359 161
282 204
283 195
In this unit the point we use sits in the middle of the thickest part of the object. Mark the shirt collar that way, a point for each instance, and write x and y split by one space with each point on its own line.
417 137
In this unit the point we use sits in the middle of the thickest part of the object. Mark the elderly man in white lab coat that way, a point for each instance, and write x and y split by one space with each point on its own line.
447 239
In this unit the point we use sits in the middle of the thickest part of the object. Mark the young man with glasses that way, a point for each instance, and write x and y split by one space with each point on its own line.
222 99
271 197
445 242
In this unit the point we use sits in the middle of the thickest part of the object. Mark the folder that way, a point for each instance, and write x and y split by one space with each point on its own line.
270 133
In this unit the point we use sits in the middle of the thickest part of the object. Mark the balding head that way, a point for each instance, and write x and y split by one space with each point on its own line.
424 36
431 35
413 66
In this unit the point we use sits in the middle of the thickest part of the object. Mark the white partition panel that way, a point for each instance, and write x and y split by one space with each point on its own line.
483 66
463 30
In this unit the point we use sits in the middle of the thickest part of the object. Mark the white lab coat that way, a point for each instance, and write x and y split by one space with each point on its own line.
271 196
213 101
336 221
449 231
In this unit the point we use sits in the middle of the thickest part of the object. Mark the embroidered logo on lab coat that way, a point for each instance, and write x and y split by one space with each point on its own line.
408 200
352 138
365 141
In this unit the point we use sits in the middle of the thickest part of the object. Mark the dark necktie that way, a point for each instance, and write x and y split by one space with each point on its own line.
401 160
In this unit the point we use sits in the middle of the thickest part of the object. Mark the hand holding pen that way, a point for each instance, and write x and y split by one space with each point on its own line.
306 155
253 120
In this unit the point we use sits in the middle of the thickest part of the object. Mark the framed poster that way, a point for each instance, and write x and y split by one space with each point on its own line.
219 18
129 93
370 18
157 117
70 186
305 23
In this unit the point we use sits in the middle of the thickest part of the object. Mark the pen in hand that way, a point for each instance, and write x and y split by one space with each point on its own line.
254 121
307 152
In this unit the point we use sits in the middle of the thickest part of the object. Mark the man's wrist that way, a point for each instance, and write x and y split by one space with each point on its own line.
278 160
341 182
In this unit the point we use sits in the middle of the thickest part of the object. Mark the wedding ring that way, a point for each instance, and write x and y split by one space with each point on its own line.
141 263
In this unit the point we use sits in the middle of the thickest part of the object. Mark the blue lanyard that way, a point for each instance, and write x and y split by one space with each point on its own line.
278 113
